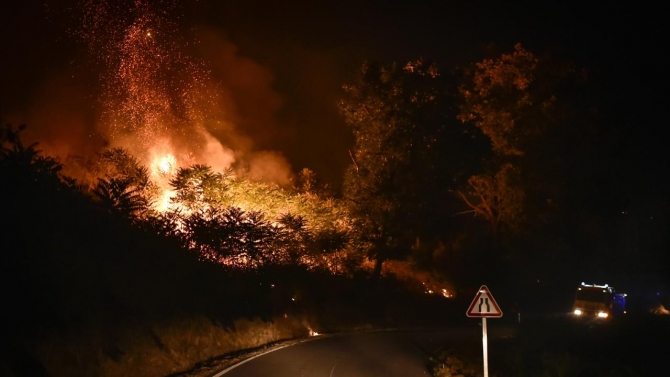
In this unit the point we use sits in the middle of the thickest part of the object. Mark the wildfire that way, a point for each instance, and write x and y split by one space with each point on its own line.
164 203
162 168
156 99
158 102
151 89
164 165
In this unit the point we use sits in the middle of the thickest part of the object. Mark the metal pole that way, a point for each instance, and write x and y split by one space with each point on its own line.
484 343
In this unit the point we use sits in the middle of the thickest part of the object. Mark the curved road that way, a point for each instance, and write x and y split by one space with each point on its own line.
384 353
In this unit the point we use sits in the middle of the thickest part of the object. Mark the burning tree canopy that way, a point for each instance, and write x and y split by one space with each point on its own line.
226 219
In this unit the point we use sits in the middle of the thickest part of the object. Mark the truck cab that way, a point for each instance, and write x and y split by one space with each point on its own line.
599 302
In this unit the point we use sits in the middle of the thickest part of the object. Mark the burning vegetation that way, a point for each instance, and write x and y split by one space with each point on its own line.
226 218
160 108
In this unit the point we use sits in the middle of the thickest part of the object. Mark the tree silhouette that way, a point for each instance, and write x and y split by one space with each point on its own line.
233 237
512 100
120 179
197 186
122 197
26 163
293 237
498 198
505 100
402 163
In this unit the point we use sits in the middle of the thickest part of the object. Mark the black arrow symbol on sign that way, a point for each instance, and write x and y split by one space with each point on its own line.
481 302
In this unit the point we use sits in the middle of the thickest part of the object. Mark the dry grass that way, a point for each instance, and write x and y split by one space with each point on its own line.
163 349
451 363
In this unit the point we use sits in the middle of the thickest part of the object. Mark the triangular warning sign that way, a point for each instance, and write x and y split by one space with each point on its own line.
484 305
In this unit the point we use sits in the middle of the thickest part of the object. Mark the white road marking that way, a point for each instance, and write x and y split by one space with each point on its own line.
332 370
265 353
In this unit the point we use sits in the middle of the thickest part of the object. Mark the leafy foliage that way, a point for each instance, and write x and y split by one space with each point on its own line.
226 218
395 116
497 198
26 164
410 153
231 236
504 98
118 164
121 197
512 100
197 186
550 152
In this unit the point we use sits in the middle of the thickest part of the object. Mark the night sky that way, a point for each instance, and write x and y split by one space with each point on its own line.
296 54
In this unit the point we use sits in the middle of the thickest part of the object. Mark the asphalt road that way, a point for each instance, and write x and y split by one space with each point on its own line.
385 353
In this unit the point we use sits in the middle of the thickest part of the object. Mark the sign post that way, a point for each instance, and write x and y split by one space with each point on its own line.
484 306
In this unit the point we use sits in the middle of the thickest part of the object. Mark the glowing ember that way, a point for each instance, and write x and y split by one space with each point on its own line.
151 89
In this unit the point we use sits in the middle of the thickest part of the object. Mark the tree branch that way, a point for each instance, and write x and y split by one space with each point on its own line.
486 205
353 160
475 208
466 212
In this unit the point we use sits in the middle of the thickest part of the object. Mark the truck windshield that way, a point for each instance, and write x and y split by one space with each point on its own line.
592 295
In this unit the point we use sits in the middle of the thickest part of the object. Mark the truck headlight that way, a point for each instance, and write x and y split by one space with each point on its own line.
602 314
578 312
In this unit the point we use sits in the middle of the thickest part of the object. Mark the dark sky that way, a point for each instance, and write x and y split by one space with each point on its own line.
306 49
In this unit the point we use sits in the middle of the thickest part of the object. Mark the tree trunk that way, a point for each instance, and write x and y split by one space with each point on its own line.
377 272
495 237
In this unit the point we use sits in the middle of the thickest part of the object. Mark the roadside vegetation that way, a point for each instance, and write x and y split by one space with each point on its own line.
562 347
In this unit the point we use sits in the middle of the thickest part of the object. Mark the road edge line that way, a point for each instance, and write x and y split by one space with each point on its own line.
221 373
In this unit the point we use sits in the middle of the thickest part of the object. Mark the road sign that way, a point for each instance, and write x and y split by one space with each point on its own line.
484 305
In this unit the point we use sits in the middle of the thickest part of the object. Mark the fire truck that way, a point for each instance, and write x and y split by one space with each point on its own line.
599 302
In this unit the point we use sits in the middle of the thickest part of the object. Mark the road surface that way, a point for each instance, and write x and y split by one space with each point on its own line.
384 353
